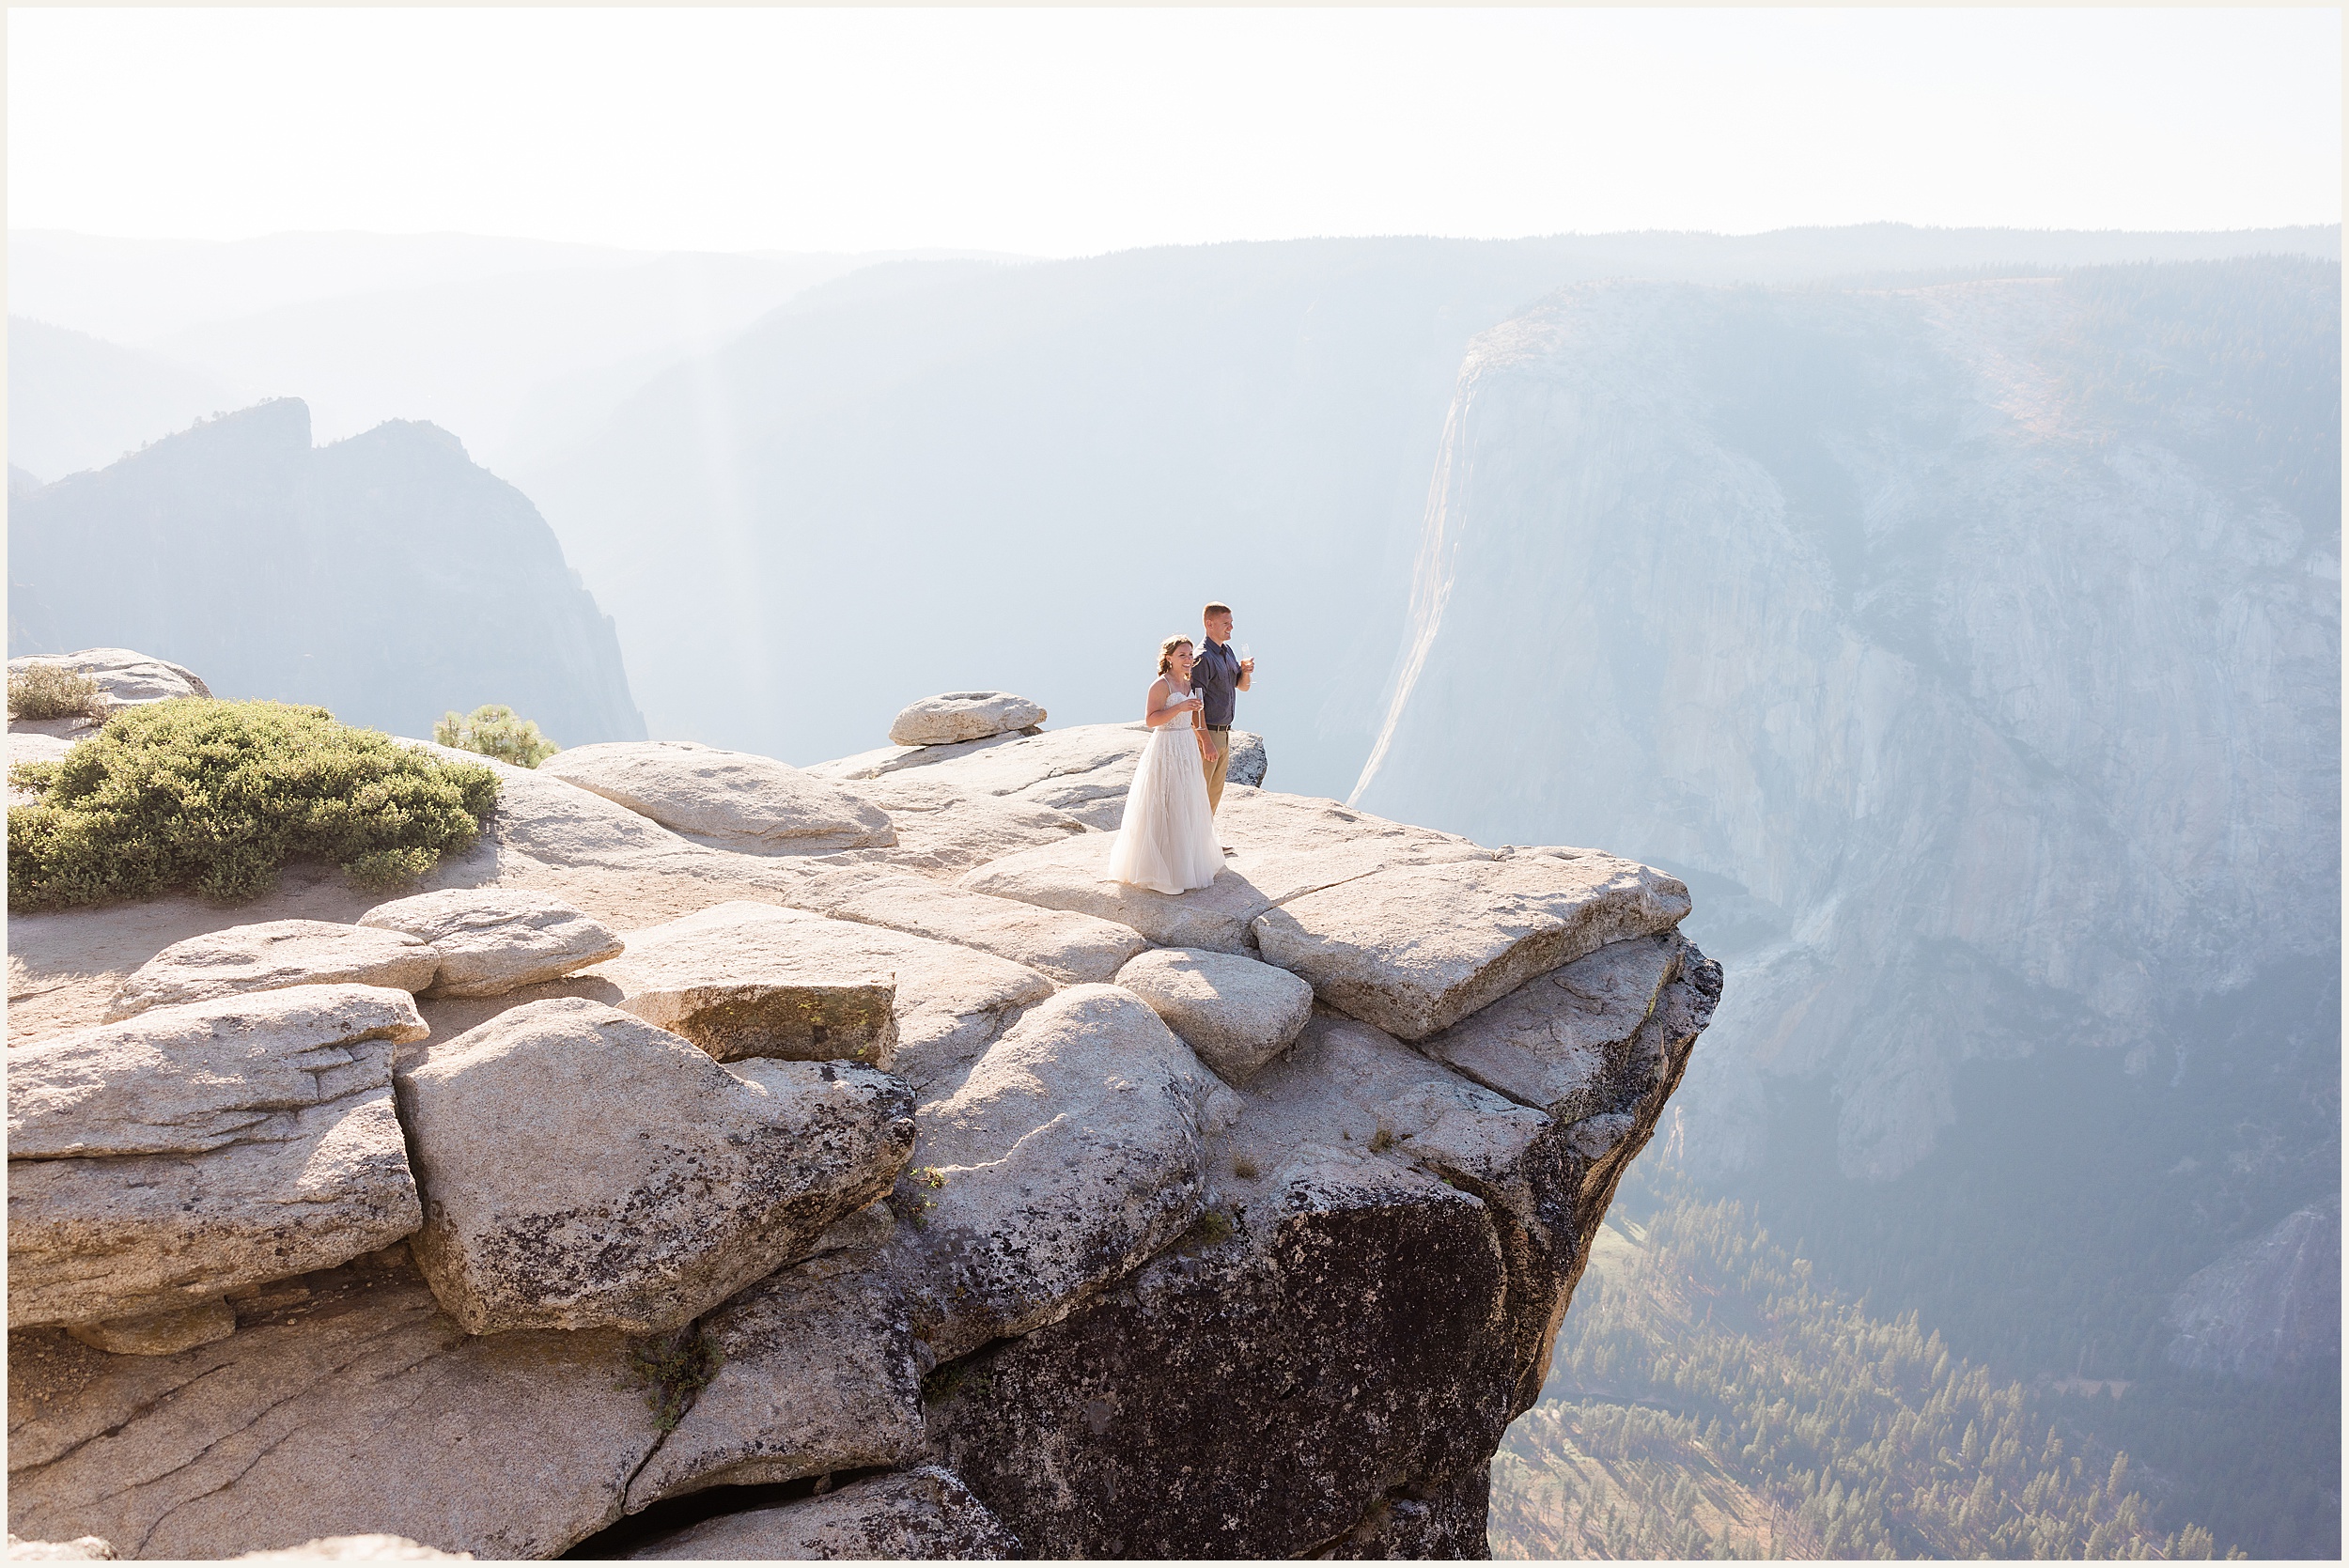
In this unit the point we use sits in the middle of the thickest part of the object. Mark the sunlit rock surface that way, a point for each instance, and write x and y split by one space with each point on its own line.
1014 1247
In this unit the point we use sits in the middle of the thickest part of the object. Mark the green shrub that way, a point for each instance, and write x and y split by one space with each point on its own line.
672 1371
54 691
215 796
1212 1228
960 1377
904 1200
496 731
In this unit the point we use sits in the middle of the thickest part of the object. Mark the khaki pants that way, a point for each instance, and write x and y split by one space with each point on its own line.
1216 769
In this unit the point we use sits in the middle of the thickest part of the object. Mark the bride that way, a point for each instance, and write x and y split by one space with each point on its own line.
1167 840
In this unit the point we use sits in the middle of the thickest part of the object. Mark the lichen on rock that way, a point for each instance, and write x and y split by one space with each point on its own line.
583 1168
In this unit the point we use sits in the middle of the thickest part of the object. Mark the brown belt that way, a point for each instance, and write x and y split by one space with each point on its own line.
1212 728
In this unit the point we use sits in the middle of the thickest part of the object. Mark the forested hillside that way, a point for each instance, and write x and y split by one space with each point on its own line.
1710 1398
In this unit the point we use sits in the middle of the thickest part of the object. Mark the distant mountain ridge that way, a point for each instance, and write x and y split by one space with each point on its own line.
78 402
516 345
385 577
135 289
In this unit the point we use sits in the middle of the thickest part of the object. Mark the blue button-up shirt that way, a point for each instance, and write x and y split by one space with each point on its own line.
1215 678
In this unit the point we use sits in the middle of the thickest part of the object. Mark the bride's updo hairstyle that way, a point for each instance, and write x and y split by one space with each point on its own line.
1166 654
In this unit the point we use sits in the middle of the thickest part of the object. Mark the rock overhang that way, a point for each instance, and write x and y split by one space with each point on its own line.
1528 1013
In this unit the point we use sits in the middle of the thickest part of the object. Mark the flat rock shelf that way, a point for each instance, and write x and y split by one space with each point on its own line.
727 1159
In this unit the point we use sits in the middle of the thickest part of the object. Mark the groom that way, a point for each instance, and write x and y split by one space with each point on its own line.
1217 676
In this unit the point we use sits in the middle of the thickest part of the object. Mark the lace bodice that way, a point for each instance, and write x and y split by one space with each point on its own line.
1180 721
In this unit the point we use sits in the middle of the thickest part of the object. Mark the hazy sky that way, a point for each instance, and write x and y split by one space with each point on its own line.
1057 132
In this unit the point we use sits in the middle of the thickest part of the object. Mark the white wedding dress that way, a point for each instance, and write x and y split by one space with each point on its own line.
1166 841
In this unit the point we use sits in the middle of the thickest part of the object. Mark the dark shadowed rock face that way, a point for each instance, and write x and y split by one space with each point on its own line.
1423 1522
1326 1365
1353 1333
386 577
923 1513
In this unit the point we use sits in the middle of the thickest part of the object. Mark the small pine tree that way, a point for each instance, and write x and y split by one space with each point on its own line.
497 731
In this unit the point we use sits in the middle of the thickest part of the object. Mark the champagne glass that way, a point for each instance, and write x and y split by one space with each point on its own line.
1245 656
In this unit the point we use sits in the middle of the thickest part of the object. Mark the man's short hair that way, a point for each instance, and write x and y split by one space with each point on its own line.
1213 610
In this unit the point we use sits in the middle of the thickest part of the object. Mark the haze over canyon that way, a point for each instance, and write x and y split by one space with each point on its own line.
1957 612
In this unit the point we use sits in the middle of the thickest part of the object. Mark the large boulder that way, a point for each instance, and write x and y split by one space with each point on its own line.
269 957
1416 949
956 716
735 980
1325 1364
156 1163
1259 1391
346 1403
126 676
1557 1040
925 1515
492 940
1248 764
1073 1150
1347 1085
1282 846
1235 1012
730 799
816 1374
951 1000
1069 947
581 1168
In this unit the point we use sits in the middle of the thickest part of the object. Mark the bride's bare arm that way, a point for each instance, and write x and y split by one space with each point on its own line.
1160 710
